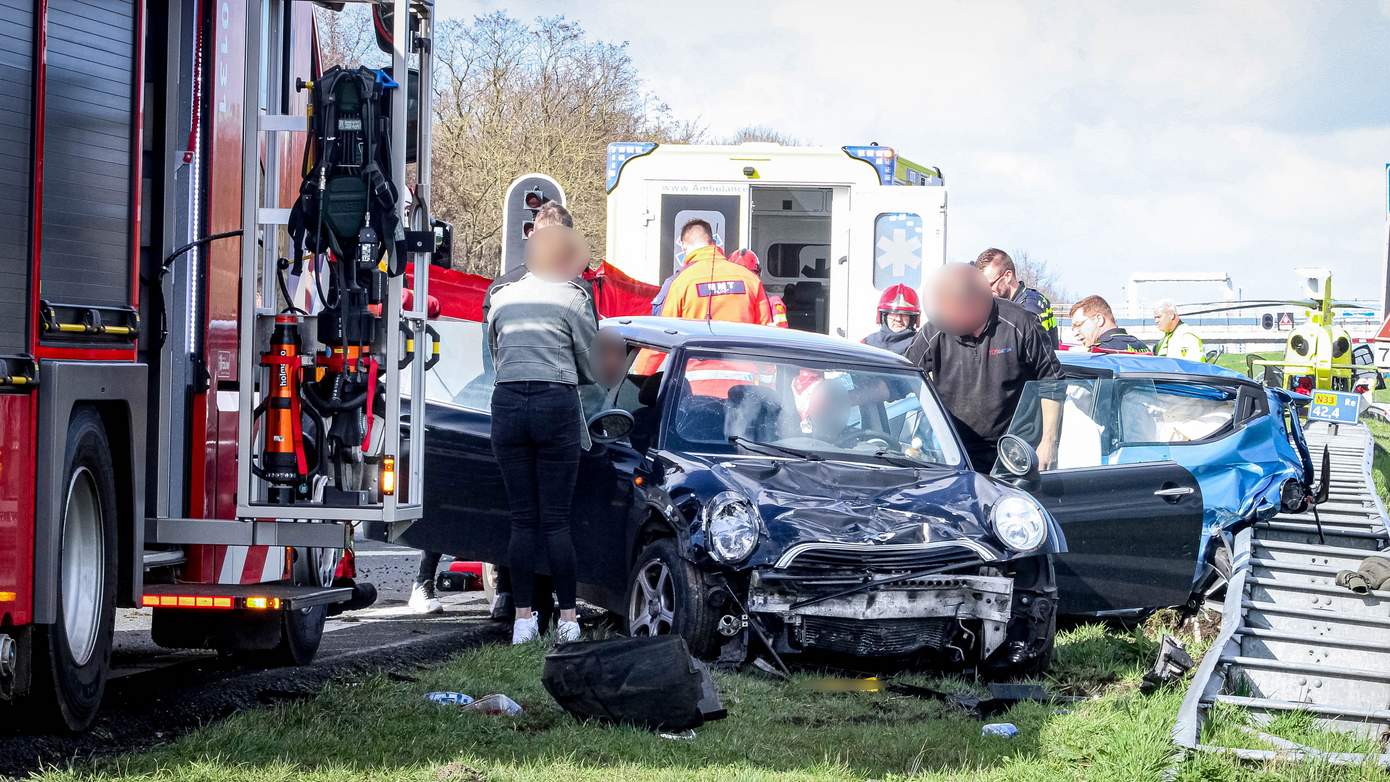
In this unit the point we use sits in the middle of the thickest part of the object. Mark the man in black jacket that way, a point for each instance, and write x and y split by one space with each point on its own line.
980 351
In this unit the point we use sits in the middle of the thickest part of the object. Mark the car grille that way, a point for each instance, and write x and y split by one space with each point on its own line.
886 558
874 637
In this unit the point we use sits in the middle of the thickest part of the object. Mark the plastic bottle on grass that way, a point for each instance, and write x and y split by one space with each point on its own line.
495 704
1004 730
449 698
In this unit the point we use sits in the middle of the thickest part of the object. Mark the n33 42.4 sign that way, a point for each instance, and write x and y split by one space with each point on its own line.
1335 407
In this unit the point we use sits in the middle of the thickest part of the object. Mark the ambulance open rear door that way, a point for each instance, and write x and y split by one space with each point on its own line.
897 235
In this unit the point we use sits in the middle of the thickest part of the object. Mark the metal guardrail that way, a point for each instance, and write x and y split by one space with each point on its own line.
1291 640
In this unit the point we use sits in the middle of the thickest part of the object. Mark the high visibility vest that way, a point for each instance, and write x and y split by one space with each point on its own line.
1182 342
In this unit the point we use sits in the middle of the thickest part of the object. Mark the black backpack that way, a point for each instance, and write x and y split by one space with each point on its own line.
650 683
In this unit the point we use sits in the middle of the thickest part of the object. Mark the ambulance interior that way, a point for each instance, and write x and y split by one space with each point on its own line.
790 232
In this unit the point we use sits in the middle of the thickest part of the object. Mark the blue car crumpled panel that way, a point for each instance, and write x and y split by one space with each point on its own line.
1241 475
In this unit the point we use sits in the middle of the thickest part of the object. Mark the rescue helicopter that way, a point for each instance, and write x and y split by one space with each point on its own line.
1319 353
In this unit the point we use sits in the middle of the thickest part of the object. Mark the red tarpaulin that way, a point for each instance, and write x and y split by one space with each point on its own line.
461 295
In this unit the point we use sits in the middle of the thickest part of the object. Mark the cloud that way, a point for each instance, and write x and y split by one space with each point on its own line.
1106 138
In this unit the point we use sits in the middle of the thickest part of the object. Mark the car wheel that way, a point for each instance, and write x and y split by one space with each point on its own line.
1221 571
666 595
72 654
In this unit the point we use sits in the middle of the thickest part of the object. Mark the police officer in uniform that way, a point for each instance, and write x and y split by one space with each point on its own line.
1179 340
1093 325
998 269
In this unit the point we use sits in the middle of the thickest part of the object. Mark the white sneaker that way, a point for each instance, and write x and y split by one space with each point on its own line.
422 599
567 631
526 630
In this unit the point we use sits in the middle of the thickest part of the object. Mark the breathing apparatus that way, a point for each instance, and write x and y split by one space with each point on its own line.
346 216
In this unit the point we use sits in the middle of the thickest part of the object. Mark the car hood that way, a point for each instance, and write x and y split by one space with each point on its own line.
839 502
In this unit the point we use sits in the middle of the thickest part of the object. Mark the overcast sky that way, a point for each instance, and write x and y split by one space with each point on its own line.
1107 138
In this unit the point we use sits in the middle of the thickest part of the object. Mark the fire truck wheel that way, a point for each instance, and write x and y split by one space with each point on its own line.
71 655
302 629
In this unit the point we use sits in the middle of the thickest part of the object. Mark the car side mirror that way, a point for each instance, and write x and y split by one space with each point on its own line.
1018 458
610 425
443 254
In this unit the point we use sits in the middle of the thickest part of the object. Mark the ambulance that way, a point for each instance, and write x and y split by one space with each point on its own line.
833 226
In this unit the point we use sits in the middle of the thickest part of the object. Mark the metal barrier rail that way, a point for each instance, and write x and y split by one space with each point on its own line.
1291 640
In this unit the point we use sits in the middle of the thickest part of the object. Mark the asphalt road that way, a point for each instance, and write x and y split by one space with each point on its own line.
156 694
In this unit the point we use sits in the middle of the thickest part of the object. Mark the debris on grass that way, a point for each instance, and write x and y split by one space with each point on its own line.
1004 730
1172 664
496 704
449 698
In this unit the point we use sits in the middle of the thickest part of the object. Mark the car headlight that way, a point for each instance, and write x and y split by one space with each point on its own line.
731 527
1019 522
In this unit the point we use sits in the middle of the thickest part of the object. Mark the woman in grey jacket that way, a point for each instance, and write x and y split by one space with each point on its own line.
540 329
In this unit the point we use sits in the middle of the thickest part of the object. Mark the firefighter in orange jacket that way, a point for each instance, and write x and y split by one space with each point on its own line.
749 260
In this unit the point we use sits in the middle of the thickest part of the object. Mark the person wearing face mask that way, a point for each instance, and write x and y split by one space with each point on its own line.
540 331
980 351
1093 325
899 312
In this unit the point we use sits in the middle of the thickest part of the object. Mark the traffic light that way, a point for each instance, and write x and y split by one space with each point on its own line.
525 197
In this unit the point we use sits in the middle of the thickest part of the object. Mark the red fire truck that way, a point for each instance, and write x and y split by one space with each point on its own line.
199 396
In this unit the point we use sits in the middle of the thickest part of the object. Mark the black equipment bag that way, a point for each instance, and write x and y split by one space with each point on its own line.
650 683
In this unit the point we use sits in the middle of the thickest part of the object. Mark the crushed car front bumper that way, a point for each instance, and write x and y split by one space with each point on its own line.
894 620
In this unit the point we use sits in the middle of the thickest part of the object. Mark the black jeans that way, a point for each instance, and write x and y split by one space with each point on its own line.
535 437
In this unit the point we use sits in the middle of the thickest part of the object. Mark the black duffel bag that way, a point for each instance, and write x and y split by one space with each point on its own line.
650 683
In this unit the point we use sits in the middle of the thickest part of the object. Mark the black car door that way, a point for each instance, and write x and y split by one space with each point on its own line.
1132 518
1132 534
465 504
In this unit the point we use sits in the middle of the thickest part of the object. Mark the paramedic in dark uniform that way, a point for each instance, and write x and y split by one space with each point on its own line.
980 351
998 269
1093 325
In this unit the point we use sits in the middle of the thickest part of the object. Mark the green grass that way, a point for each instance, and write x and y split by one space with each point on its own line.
381 729
1381 458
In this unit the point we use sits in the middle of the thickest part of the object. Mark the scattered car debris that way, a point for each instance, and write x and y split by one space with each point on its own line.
449 698
1172 663
647 682
1002 697
496 704
1372 574
845 684
1004 730
685 735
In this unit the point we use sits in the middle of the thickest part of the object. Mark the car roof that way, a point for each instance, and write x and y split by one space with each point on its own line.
671 333
1119 364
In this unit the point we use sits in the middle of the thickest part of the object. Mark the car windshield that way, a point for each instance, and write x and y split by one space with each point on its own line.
737 403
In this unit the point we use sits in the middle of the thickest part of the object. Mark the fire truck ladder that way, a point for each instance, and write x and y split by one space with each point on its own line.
268 79
1291 640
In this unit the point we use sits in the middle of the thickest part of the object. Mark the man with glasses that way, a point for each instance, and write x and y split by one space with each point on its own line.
1093 325
1002 277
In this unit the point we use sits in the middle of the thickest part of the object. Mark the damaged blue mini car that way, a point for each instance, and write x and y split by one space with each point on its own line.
755 487
1241 441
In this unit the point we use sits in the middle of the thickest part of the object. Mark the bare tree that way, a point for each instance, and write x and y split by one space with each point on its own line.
346 37
512 97
762 133
1040 276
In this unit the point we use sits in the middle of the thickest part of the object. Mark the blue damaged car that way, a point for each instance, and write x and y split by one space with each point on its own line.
1241 441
